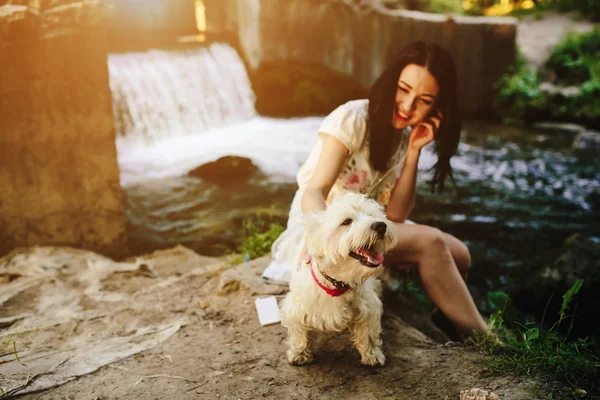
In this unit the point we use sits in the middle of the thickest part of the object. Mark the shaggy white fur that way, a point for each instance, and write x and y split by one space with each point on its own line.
345 242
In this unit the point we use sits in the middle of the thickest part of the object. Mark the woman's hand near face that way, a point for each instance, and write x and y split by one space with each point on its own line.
424 133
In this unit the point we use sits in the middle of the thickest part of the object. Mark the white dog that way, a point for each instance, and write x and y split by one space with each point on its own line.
337 287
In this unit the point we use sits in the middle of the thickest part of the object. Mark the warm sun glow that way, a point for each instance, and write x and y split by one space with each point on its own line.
527 4
503 8
200 10
467 5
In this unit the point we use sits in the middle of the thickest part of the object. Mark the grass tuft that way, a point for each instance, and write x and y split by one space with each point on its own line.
259 233
529 348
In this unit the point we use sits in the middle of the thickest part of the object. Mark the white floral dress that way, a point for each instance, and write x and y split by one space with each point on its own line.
348 124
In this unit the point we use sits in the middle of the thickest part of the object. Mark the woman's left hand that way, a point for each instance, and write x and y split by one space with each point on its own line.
424 133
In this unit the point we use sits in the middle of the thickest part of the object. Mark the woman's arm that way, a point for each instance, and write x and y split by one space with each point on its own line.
402 200
330 163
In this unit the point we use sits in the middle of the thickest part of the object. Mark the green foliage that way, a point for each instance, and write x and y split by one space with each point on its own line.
519 93
577 58
587 8
576 61
10 342
588 103
568 296
529 348
414 291
444 7
259 233
440 6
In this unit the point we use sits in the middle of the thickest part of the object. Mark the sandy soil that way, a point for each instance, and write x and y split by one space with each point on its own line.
221 351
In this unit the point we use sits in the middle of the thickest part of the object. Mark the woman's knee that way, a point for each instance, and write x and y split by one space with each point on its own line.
460 253
433 240
437 243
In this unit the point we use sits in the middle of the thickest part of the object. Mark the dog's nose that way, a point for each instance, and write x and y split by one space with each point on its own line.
379 227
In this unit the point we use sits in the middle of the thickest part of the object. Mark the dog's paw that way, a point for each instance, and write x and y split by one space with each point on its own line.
297 359
373 359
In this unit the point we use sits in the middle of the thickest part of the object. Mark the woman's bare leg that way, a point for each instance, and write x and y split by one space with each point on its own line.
434 253
460 254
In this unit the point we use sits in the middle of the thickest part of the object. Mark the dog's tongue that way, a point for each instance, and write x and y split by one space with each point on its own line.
373 257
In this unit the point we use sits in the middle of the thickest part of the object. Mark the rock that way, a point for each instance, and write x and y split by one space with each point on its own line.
477 394
56 99
560 127
147 22
578 259
226 170
18 23
295 88
565 91
248 276
587 142
35 4
81 15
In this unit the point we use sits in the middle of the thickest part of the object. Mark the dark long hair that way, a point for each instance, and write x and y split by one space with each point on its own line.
382 102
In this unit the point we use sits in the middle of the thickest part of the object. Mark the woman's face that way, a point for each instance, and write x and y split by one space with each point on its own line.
415 96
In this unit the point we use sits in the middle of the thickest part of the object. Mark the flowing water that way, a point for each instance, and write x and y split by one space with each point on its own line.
519 192
158 94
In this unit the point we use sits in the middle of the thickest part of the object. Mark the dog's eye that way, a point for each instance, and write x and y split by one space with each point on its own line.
347 221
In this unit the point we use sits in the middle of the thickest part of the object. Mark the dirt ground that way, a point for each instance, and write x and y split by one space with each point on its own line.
219 352
537 38
177 325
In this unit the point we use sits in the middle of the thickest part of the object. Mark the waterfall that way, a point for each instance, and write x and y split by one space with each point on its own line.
159 94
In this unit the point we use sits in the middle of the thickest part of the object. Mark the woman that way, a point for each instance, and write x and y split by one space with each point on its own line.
373 147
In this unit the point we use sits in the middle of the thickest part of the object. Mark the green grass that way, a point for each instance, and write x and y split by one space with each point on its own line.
530 348
259 233
10 342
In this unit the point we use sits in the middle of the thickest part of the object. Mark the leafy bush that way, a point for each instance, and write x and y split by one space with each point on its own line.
588 104
259 233
437 6
577 58
588 8
530 348
444 7
576 61
519 93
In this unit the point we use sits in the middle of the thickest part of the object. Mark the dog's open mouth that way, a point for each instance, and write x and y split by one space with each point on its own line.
368 257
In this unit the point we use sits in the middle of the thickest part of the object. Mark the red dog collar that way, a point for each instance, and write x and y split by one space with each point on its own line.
332 292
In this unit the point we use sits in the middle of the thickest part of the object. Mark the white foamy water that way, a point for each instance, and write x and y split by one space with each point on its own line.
277 146
158 94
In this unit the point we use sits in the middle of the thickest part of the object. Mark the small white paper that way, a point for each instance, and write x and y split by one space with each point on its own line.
277 273
268 310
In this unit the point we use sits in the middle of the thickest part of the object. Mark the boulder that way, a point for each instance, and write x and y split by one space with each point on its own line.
559 127
587 142
18 23
226 170
579 258
295 88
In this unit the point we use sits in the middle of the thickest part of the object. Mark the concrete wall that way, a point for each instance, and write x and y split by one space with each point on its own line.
59 177
361 41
